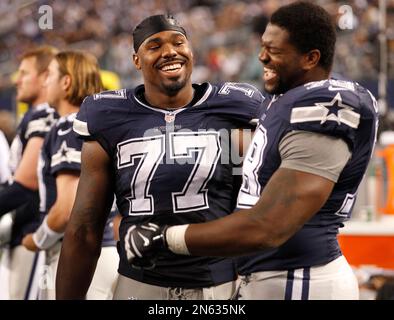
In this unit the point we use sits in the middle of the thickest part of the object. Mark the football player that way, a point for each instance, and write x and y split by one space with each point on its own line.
72 76
300 176
163 147
22 193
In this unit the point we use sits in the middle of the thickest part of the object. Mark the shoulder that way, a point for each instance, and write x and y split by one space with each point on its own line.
99 102
40 121
333 107
334 92
43 111
63 138
97 111
239 101
237 92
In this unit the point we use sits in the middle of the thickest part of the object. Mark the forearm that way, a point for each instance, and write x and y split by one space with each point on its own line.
80 252
58 218
289 200
14 196
234 235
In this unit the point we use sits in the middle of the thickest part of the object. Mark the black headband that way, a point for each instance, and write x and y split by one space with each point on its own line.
152 25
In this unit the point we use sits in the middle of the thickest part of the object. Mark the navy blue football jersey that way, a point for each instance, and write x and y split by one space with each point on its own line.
35 123
172 167
62 151
336 108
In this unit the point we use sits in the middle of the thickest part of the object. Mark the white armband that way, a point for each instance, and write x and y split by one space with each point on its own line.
175 237
45 237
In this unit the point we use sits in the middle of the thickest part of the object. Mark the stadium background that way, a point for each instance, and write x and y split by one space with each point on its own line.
226 39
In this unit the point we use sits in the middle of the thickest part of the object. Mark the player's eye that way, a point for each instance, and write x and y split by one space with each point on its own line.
273 50
153 46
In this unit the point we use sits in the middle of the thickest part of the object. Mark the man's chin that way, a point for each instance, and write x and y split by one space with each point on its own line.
275 89
271 89
173 87
23 99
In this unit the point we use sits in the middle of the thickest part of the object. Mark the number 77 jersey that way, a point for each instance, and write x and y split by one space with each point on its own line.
173 166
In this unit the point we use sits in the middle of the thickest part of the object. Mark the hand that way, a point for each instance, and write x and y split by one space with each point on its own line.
142 244
28 243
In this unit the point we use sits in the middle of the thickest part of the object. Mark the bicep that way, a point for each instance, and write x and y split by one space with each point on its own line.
26 173
288 201
311 165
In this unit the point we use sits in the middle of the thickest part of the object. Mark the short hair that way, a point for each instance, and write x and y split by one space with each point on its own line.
309 27
84 71
43 55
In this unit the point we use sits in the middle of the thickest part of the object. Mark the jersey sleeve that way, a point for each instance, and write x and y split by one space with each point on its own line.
334 113
90 122
314 153
67 153
99 115
81 122
239 101
40 123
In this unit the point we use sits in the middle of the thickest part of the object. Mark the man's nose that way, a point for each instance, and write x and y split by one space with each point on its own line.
168 51
263 56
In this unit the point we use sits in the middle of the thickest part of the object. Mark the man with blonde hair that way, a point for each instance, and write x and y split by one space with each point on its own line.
22 193
72 76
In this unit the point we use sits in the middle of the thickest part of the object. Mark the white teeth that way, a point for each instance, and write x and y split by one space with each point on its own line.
171 67
269 70
269 74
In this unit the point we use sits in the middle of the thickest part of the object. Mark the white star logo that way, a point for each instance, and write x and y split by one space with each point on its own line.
329 106
66 154
334 110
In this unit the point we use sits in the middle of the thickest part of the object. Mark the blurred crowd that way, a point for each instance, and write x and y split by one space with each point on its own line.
225 34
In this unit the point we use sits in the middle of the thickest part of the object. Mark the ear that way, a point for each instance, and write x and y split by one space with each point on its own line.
136 60
311 59
43 78
66 82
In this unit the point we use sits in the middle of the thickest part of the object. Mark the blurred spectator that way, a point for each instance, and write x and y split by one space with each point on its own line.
225 34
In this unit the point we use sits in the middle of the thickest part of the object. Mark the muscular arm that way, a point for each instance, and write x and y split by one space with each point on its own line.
82 240
294 193
289 200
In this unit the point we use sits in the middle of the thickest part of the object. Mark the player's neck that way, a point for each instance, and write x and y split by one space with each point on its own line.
164 101
64 108
317 74
39 100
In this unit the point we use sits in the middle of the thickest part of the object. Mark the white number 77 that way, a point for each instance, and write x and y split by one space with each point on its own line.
150 151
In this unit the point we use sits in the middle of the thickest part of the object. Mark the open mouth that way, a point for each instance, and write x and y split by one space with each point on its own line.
171 68
269 74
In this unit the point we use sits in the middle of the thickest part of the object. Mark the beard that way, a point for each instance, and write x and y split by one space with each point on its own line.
171 89
277 88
